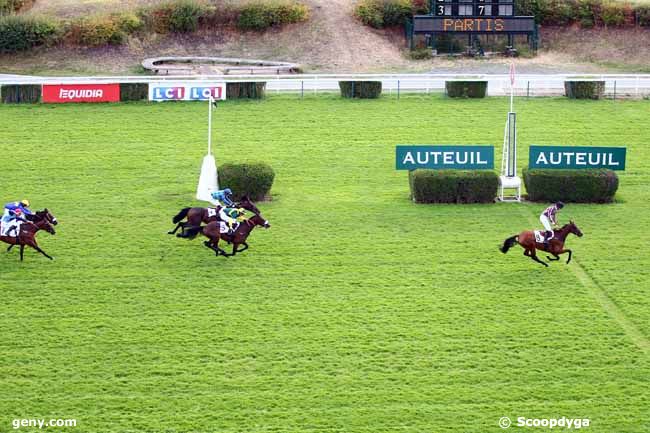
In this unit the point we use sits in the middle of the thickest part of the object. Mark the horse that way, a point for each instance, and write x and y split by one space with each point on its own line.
38 216
27 236
212 232
555 246
197 215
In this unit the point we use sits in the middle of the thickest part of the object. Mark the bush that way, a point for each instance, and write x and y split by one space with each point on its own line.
370 14
246 90
466 89
642 15
420 54
387 13
453 186
19 33
261 16
360 89
127 22
8 7
176 16
254 180
613 14
580 186
95 31
21 93
134 91
584 89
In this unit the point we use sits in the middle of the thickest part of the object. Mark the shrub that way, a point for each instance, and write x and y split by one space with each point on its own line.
127 22
246 90
95 31
134 91
643 15
21 93
613 14
588 12
559 12
466 89
254 179
360 89
370 14
580 186
19 33
584 89
421 54
453 186
395 12
387 13
8 7
176 16
261 16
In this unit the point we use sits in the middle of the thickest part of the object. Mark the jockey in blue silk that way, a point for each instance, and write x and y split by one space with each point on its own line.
13 215
228 212
548 217
224 197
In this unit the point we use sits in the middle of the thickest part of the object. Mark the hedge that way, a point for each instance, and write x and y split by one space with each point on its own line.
466 89
388 13
453 186
246 90
580 186
263 15
360 89
21 93
584 89
134 91
20 33
587 13
254 179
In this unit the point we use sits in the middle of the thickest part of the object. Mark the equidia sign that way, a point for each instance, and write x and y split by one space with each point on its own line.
61 93
444 157
186 91
568 157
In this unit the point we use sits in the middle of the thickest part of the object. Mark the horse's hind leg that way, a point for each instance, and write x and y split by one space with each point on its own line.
175 229
10 247
22 250
534 257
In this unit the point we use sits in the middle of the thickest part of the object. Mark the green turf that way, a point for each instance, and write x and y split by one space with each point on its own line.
358 311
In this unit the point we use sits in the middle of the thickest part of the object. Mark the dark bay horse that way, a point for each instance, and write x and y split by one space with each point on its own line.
27 236
197 215
555 246
37 216
212 232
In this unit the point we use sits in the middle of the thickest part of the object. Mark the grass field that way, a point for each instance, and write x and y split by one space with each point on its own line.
358 311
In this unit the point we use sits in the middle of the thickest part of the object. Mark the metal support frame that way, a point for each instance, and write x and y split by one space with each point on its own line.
509 180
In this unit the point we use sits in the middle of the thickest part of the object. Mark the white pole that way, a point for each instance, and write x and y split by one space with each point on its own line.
512 96
210 125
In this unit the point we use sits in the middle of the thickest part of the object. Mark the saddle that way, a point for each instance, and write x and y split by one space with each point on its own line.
224 229
213 212
540 235
5 226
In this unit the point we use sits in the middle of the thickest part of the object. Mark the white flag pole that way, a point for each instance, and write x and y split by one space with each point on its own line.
512 86
210 125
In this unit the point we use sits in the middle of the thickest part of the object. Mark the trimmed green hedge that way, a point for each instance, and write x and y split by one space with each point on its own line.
580 186
584 89
388 13
246 90
263 15
134 91
453 186
466 89
21 93
360 89
20 33
254 179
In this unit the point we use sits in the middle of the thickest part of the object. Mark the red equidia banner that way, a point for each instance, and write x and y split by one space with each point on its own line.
59 93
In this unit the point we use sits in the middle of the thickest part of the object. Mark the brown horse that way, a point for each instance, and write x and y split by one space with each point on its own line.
555 246
28 236
197 215
212 232
38 216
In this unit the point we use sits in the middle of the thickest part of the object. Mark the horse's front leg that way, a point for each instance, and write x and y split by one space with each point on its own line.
243 249
37 248
10 247
570 254
22 250
555 258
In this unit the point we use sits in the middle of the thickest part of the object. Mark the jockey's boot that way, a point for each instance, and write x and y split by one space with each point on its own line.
547 238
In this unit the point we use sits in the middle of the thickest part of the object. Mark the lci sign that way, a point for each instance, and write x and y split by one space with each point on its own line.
444 157
567 157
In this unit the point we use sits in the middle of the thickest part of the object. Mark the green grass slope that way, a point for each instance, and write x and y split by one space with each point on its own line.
358 311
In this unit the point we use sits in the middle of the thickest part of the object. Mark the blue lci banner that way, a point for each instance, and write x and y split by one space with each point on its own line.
568 157
444 157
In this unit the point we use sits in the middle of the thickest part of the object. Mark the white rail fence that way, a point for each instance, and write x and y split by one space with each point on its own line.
616 85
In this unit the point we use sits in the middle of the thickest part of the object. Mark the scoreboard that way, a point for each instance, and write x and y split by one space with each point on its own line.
476 8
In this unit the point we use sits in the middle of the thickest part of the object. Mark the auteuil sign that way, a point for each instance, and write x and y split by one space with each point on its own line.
444 157
569 157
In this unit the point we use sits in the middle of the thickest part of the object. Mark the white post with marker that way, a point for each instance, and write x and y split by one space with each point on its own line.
509 180
208 181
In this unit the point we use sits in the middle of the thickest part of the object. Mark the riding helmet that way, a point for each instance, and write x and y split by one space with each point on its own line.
25 202
559 205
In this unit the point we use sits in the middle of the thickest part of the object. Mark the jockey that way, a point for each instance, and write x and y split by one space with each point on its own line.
224 197
15 212
233 216
548 217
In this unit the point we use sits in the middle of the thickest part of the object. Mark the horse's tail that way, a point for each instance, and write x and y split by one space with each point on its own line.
182 214
508 243
191 232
